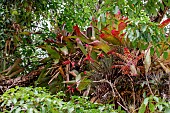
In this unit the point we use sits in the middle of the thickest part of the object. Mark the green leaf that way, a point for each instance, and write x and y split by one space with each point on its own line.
51 51
156 99
144 28
143 46
14 12
165 55
166 104
162 6
25 33
83 84
18 110
78 77
64 50
104 47
116 10
54 54
145 102
144 94
160 107
167 110
69 82
152 51
30 110
168 3
70 109
14 100
103 19
157 53
142 109
134 1
137 33
151 107
151 31
82 48
83 39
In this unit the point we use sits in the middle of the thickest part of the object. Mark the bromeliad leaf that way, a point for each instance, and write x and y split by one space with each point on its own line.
83 84
110 39
121 26
100 45
164 23
130 60
51 51
80 45
77 30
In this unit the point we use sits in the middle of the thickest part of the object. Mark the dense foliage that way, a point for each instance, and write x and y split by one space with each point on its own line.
35 100
39 100
114 52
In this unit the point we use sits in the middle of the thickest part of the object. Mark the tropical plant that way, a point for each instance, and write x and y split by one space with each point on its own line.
43 45
129 66
39 99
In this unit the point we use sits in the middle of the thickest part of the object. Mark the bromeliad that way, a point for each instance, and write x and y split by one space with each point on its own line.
129 64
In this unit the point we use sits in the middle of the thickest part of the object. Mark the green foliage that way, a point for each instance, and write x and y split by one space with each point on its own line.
154 104
141 32
39 100
25 24
35 100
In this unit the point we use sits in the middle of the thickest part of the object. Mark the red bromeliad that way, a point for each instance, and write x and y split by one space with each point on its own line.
129 64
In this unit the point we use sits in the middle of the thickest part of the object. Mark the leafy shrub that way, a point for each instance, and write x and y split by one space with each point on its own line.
154 104
39 100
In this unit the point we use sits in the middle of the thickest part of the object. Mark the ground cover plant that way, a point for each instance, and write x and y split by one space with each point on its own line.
39 100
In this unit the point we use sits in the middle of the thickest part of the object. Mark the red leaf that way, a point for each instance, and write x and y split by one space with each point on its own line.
66 62
77 30
101 55
123 34
88 58
94 20
73 64
121 26
103 35
115 33
164 23
127 53
85 72
72 90
111 52
124 18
